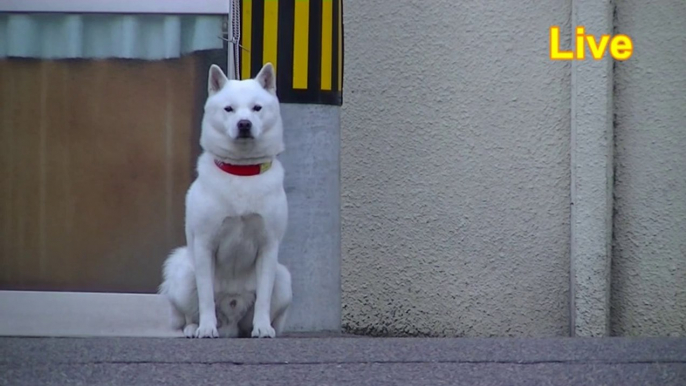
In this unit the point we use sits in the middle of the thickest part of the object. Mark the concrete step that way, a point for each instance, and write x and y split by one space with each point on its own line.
343 360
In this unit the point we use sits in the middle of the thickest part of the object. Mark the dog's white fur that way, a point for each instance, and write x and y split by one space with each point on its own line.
227 280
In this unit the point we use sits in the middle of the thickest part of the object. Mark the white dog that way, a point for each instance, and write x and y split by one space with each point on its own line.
227 281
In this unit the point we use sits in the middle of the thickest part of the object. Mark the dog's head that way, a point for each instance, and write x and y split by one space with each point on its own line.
242 118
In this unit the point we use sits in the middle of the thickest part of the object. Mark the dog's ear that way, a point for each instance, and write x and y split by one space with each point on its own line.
267 79
216 79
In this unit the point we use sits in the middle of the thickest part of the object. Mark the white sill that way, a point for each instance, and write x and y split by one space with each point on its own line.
84 314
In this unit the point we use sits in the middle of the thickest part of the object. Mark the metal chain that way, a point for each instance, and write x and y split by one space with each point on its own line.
236 35
233 37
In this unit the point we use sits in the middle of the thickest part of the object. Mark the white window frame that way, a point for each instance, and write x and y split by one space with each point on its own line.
204 7
83 314
174 7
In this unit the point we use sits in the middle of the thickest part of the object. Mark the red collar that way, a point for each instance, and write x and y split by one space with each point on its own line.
243 170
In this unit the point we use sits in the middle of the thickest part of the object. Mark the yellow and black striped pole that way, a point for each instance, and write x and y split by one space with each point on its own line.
303 39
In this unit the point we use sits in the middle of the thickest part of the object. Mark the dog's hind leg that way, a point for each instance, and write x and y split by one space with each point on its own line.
191 325
189 330
282 297
178 319
179 288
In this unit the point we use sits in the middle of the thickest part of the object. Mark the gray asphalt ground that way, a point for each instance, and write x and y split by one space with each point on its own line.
343 361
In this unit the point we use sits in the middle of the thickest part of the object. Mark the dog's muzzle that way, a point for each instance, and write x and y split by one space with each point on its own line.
244 128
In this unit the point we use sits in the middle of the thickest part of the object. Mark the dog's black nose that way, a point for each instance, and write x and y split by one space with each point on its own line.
244 125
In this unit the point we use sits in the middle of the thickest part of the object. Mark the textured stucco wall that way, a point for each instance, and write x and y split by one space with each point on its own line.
649 254
455 169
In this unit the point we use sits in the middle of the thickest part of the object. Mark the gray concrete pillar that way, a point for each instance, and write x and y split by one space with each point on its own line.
312 247
303 39
592 175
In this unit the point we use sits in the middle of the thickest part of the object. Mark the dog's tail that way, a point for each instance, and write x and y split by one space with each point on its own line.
177 273
174 269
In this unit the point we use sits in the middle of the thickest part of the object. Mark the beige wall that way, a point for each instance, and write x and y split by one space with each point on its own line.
455 169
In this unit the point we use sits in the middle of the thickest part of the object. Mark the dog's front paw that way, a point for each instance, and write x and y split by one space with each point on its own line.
206 332
263 330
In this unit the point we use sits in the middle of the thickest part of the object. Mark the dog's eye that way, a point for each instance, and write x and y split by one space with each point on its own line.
228 109
257 108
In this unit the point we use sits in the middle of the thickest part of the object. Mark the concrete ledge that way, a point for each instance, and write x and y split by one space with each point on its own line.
338 350
592 176
340 361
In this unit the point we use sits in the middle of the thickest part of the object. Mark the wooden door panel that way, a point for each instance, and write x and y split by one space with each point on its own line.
95 160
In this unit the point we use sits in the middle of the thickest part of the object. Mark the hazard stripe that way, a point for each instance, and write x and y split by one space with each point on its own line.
300 44
315 47
271 32
327 43
246 38
303 39
339 34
